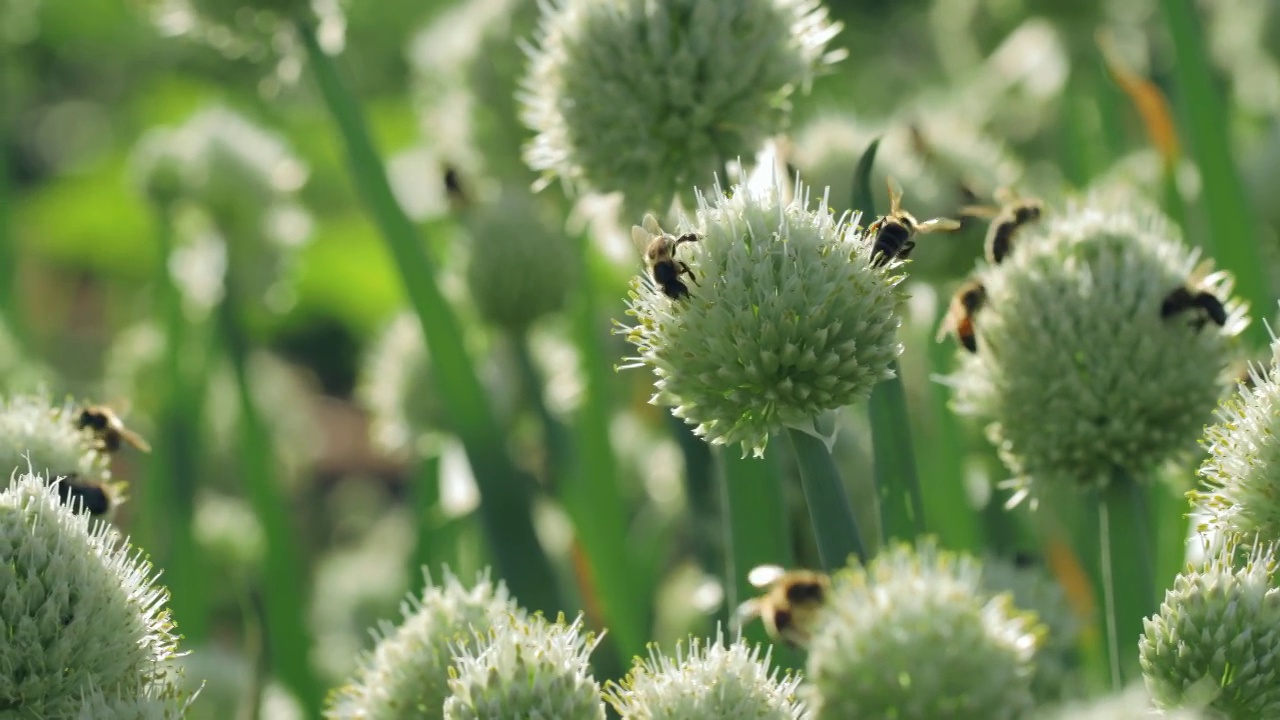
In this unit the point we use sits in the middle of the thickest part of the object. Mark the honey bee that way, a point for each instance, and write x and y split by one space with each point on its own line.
969 298
893 233
660 256
454 189
790 604
1012 214
109 429
87 495
1194 295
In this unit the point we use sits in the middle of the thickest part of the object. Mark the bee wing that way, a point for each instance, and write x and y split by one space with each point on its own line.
949 323
938 225
895 196
640 238
1005 195
746 612
763 576
135 440
650 223
978 211
1201 272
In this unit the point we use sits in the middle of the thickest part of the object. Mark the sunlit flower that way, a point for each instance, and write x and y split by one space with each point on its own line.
407 674
34 430
788 319
522 668
1216 639
81 615
709 681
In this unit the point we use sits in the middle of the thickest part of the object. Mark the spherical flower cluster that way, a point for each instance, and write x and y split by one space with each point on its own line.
653 98
525 669
1241 477
522 264
789 319
1077 372
81 616
232 181
1216 639
407 674
152 703
915 636
712 681
35 430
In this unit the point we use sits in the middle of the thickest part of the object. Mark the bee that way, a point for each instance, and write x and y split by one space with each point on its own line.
1194 296
893 233
454 188
660 256
109 429
90 496
790 604
969 298
1012 214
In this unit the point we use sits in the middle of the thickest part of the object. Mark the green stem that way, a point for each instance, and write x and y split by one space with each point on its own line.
947 504
701 487
1234 239
172 478
897 483
435 544
506 500
756 531
555 435
288 643
10 299
1126 570
834 526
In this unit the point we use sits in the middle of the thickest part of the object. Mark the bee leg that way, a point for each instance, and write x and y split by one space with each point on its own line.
907 247
684 270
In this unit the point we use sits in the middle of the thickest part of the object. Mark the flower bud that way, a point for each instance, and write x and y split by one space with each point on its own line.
522 668
786 318
711 681
1085 364
407 674
652 98
1216 639
80 611
915 636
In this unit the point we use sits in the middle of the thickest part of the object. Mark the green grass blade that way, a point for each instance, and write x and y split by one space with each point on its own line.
1234 237
284 583
506 499
834 526
897 482
590 491
946 500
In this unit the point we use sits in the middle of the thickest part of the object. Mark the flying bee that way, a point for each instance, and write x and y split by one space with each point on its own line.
1012 214
967 301
109 430
893 233
660 256
790 605
88 495
1194 295
454 188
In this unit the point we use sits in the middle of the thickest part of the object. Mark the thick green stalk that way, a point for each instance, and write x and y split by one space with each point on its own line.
756 531
590 490
437 541
284 587
506 499
946 499
173 475
554 434
897 483
834 526
1127 582
1234 238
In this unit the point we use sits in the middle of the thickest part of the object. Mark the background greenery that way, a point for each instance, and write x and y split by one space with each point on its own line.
279 525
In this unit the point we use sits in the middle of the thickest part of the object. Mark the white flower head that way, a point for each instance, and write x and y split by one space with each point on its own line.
787 318
651 98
